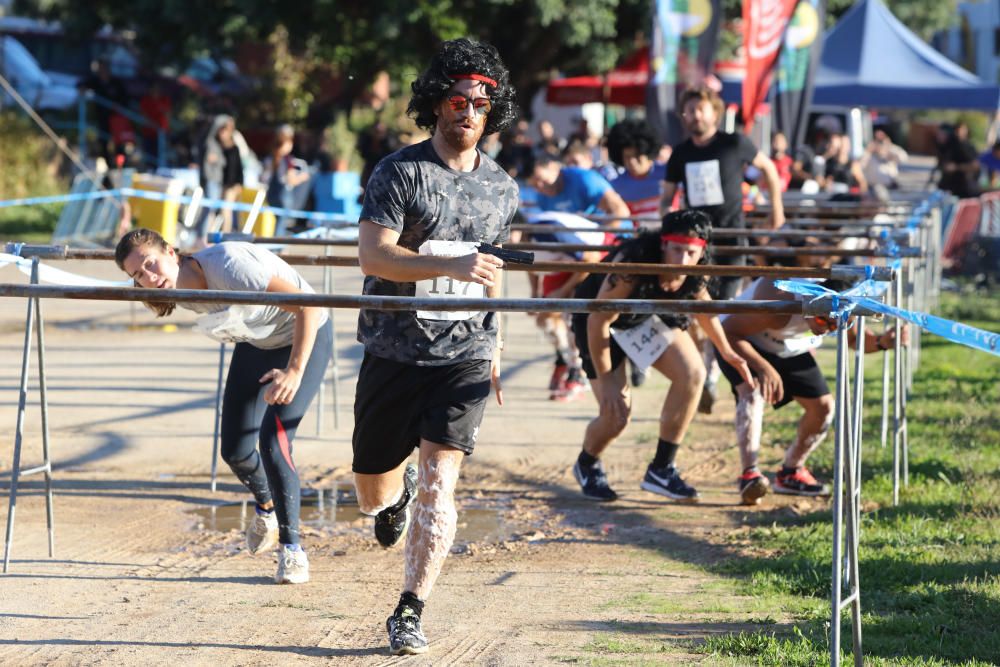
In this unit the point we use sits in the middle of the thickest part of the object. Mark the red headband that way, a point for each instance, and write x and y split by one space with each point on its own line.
474 77
683 240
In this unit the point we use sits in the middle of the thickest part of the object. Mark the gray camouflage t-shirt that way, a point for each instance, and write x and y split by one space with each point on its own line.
414 193
245 267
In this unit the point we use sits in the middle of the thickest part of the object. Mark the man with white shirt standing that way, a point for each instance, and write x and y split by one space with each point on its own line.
426 375
710 166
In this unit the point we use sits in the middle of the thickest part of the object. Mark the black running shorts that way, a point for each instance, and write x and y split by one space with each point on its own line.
397 404
800 375
580 335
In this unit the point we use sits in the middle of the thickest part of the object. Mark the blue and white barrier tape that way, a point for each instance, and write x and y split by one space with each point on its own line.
859 295
47 274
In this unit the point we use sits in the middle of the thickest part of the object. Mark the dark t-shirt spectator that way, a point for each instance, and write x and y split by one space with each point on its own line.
712 176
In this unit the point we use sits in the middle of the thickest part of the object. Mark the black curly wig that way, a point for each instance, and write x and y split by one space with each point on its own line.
637 134
688 222
463 56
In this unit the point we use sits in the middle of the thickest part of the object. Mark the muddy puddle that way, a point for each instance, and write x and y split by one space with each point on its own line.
336 509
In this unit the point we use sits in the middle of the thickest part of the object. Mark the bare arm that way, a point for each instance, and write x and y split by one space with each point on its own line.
380 255
712 327
494 291
613 204
615 286
668 190
285 382
767 168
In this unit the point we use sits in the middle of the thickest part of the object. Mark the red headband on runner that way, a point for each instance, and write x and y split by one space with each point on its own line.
684 240
474 77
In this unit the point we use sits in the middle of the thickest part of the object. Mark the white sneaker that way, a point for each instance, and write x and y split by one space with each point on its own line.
293 566
262 533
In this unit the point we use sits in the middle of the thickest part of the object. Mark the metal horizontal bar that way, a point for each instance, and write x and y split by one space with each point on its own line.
37 469
59 252
400 303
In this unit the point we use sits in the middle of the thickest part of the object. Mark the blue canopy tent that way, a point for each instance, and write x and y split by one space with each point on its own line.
871 59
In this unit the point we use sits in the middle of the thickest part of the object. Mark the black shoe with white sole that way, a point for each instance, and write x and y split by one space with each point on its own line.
594 482
667 481
392 522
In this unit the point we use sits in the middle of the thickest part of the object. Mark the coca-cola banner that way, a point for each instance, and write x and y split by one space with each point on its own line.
764 23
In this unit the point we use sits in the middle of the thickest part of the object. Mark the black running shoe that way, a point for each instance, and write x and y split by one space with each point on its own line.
709 394
594 482
405 635
667 481
391 523
639 375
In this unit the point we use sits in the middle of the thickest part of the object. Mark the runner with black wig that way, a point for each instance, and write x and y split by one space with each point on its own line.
606 339
426 376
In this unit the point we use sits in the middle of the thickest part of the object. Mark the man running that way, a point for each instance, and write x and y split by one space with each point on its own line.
426 375
779 350
710 166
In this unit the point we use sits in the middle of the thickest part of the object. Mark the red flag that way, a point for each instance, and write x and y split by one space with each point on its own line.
764 23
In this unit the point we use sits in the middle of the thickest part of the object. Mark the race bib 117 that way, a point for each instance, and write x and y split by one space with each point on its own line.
443 287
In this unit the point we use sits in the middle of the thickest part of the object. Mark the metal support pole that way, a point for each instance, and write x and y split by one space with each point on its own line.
218 415
898 423
46 466
885 392
334 361
845 489
22 398
839 442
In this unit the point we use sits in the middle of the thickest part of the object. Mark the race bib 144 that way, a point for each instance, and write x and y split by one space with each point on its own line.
644 343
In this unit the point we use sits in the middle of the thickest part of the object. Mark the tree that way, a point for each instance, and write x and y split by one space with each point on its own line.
357 39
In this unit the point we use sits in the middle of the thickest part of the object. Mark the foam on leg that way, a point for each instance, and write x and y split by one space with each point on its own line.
432 530
749 423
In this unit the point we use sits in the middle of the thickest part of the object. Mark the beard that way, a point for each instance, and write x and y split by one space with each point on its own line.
459 138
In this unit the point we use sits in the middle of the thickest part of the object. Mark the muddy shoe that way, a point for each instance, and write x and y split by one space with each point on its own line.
405 635
753 487
262 533
667 481
799 482
293 565
392 522
594 482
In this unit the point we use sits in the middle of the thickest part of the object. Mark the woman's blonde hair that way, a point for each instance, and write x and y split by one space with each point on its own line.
138 238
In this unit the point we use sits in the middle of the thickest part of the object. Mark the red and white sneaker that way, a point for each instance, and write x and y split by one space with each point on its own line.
799 482
574 389
558 379
753 487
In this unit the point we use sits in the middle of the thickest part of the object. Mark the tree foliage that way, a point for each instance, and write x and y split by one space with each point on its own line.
356 39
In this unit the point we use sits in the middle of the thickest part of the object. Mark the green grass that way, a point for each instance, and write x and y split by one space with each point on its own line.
930 567
29 224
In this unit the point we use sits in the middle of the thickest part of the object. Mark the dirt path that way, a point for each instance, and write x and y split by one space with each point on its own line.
138 579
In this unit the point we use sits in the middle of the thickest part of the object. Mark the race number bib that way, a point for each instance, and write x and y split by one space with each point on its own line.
447 288
645 343
234 325
800 345
704 183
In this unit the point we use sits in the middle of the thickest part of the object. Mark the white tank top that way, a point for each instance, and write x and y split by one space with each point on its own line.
791 340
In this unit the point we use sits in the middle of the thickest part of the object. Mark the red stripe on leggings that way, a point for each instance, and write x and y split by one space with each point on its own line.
286 447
